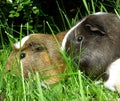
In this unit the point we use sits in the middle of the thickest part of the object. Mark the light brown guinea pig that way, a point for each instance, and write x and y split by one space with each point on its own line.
38 52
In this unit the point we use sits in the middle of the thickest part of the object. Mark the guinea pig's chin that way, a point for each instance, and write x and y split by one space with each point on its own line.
86 67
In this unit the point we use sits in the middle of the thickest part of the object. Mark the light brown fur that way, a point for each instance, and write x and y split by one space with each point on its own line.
42 55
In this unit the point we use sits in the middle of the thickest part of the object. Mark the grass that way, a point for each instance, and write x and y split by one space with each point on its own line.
74 87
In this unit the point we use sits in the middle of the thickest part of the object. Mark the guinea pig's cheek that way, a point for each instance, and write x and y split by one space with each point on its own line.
83 65
46 58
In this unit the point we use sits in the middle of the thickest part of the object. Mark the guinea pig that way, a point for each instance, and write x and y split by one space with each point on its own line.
94 42
38 53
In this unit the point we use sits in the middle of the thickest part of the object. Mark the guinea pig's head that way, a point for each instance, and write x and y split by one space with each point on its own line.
37 52
94 42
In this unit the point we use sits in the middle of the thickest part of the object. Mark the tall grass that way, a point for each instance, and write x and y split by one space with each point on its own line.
74 87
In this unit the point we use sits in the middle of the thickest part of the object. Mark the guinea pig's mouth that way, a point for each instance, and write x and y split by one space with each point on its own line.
90 69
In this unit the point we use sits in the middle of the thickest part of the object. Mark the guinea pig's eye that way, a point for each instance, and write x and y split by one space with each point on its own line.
79 38
22 55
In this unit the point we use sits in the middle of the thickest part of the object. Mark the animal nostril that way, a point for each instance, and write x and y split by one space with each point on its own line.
8 70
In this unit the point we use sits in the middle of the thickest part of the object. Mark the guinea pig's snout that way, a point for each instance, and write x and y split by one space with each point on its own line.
8 67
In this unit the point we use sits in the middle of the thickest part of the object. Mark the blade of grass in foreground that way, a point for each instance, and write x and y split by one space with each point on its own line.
23 83
40 95
83 97
53 33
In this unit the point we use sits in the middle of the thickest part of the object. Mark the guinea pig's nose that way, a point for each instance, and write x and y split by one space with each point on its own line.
8 68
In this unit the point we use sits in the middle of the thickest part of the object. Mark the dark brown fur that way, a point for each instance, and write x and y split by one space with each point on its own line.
97 39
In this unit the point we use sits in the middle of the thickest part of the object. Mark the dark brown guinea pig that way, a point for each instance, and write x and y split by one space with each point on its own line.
95 43
38 52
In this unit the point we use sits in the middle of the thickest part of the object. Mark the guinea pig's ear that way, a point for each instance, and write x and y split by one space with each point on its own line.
97 30
36 46
14 48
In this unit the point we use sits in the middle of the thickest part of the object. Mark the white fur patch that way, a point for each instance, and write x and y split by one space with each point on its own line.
68 33
99 13
114 75
19 44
